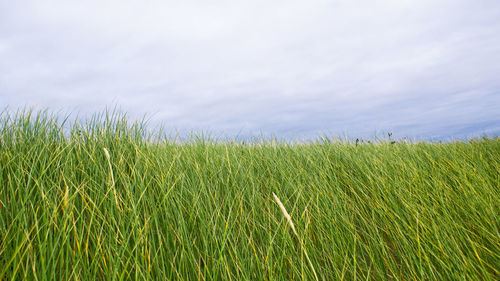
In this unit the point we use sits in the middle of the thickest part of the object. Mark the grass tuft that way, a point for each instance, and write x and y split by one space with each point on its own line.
153 208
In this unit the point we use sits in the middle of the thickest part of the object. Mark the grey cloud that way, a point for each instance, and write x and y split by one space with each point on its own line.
424 69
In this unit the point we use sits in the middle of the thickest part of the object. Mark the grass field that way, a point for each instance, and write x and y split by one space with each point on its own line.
157 209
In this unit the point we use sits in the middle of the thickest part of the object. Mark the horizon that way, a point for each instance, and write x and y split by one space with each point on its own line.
157 133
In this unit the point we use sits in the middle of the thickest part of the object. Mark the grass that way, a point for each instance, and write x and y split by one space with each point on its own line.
156 209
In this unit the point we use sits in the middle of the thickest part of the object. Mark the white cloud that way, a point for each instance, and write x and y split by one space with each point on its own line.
280 67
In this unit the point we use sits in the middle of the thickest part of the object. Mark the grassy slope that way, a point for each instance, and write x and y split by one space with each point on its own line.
205 210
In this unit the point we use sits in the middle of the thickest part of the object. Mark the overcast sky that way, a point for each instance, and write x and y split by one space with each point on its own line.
426 69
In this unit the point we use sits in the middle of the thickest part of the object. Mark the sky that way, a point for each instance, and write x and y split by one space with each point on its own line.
289 69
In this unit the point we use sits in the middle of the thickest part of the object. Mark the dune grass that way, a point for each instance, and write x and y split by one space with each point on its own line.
156 209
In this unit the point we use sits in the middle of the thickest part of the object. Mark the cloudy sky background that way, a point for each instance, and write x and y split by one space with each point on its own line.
292 69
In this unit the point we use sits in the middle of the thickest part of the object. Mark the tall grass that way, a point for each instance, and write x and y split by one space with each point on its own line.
203 210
